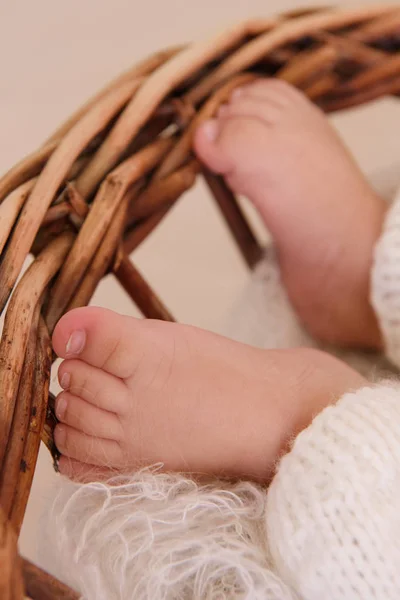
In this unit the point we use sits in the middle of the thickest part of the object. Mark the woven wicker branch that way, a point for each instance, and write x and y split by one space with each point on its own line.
103 182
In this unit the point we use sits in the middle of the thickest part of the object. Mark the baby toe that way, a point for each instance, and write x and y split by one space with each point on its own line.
91 420
208 147
273 90
251 107
224 145
101 338
94 386
89 449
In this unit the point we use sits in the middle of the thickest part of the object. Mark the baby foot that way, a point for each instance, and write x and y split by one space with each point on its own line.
141 392
275 147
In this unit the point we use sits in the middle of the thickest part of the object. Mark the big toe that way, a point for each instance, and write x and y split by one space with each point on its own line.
210 149
101 338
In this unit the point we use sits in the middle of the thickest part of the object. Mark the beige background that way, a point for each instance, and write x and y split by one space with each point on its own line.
53 55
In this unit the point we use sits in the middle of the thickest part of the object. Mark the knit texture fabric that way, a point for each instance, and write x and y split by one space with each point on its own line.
386 282
333 519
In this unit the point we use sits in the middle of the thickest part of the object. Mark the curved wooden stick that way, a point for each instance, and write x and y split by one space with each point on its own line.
36 419
13 460
51 178
17 327
11 583
42 586
103 209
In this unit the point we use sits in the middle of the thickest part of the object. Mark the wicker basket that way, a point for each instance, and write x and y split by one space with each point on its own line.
84 201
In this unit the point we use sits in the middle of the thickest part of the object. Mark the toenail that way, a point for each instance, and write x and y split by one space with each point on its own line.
65 381
76 343
211 130
60 436
61 407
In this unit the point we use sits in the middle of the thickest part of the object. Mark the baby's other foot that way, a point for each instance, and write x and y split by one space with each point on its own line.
139 392
275 147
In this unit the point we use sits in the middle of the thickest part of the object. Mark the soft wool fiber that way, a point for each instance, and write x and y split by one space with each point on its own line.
162 537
